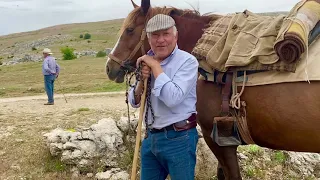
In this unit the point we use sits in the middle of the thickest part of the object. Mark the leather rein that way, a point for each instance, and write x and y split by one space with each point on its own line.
127 67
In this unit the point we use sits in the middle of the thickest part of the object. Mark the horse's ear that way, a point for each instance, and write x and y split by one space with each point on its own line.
145 5
173 12
134 4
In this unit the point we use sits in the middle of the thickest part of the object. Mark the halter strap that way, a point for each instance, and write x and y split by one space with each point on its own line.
135 50
114 58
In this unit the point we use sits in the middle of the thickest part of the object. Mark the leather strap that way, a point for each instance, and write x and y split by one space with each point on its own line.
226 90
114 58
135 50
220 78
139 45
189 123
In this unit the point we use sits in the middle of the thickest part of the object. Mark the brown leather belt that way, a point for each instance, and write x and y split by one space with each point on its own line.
179 126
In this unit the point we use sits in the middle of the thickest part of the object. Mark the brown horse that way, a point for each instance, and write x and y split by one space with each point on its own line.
280 116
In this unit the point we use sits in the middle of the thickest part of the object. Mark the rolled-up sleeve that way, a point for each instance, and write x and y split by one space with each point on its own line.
173 91
131 99
161 80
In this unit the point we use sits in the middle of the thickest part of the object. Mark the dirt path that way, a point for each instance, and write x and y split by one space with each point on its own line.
24 120
34 104
58 96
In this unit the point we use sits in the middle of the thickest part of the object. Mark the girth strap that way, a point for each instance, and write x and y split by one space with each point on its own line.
226 92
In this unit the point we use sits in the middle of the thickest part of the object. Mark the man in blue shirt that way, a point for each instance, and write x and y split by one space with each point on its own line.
50 71
171 141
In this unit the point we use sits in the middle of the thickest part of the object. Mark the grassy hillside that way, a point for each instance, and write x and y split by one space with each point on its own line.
85 74
104 34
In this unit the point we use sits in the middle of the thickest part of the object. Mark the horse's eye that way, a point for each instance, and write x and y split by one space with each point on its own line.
129 30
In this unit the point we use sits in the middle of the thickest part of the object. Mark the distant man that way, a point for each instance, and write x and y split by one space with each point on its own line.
50 70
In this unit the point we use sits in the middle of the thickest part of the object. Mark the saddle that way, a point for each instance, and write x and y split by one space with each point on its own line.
230 128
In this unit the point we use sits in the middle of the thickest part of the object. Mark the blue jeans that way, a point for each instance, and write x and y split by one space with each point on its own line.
49 86
169 152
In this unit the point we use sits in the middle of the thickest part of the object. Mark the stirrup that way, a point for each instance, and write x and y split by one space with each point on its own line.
233 140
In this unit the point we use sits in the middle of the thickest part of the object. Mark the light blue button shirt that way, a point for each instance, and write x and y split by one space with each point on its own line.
50 66
173 94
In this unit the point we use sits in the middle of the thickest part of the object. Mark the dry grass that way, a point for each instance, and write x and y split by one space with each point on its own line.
86 74
23 152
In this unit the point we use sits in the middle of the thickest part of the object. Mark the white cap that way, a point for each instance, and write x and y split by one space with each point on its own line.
47 51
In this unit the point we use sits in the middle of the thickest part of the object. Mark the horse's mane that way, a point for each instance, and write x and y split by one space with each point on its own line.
192 14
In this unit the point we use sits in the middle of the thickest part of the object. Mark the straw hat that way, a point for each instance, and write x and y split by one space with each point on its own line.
47 51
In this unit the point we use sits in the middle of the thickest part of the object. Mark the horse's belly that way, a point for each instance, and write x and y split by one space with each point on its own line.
285 116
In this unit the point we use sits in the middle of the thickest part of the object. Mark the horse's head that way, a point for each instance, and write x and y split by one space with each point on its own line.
131 44
133 41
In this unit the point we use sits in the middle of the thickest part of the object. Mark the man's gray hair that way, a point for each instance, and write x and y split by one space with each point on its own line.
174 32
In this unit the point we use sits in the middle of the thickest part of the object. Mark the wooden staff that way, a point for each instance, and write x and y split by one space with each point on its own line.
138 138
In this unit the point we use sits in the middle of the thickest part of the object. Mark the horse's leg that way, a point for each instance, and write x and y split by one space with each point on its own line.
220 174
208 107
228 167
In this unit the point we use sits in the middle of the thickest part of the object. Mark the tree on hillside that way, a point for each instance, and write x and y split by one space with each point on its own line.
68 53
87 36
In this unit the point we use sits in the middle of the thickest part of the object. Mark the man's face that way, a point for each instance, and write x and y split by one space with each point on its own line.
45 55
163 42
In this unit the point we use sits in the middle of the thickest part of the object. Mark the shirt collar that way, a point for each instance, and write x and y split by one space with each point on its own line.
165 61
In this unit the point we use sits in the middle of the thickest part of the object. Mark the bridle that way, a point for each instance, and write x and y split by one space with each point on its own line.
125 65
128 68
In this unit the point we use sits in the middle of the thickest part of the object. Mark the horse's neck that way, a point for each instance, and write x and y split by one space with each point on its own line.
189 31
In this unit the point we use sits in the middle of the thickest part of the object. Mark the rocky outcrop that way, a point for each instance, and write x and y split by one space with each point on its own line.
23 47
25 58
101 140
107 144
85 53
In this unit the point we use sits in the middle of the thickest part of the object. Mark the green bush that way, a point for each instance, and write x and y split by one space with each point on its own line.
68 53
34 48
81 36
1 63
101 54
87 36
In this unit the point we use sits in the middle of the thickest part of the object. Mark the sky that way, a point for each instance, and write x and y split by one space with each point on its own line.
27 15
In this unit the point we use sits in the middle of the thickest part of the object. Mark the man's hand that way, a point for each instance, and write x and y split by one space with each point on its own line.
57 75
145 71
145 74
151 63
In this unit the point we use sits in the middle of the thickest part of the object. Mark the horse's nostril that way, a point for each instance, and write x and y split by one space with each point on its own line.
107 69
